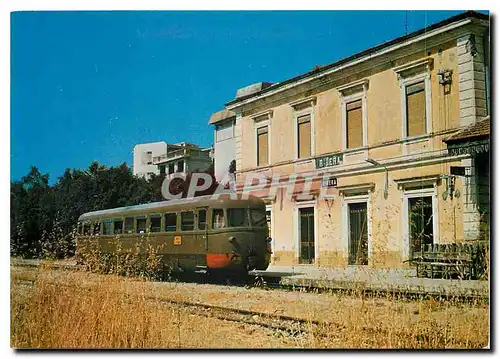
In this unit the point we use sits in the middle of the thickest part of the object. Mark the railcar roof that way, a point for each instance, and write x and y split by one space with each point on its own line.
175 204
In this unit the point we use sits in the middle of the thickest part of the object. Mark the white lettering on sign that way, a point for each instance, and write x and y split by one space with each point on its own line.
329 182
329 161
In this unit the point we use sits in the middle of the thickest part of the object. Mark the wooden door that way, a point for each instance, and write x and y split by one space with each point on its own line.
358 234
306 230
420 222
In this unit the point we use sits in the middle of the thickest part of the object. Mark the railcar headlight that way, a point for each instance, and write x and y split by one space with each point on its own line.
268 242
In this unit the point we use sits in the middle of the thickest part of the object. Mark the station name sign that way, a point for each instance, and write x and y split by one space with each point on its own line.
329 161
329 182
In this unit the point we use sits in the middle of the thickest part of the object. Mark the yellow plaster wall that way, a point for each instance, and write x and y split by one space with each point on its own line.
386 220
282 140
384 126
383 101
384 114
328 119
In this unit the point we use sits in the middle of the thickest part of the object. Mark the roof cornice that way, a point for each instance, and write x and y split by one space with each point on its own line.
371 53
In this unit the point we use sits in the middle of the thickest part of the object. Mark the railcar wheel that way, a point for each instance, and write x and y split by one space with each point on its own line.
241 272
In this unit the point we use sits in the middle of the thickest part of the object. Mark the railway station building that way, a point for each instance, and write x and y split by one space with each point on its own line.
401 131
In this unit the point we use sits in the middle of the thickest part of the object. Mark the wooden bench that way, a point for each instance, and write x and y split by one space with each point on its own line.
449 261
427 269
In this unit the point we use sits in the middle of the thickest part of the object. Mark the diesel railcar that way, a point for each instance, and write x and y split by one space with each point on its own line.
228 235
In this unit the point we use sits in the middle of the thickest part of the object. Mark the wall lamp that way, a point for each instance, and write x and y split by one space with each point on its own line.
378 164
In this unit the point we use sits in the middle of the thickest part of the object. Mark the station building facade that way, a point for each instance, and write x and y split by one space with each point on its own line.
375 125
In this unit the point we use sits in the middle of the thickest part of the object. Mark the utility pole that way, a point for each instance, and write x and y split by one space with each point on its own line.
406 22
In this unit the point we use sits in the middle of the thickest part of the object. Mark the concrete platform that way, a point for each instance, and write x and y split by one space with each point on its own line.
402 281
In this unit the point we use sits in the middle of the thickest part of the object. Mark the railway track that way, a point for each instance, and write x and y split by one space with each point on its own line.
289 326
274 283
360 289
283 324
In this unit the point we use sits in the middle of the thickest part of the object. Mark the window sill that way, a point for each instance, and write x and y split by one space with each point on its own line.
421 142
304 160
416 139
263 167
355 151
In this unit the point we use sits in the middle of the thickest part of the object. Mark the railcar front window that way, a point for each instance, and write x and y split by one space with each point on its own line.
107 227
218 220
118 226
202 219
170 222
155 223
97 228
187 221
129 225
86 228
237 217
141 225
258 218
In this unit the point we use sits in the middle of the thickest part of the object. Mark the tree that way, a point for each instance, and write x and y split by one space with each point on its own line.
44 217
32 209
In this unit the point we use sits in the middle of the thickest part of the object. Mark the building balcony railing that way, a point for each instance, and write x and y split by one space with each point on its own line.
168 156
177 154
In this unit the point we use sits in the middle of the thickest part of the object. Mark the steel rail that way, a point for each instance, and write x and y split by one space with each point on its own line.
267 282
294 326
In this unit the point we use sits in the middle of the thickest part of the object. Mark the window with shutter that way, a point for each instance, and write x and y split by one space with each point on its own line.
262 146
415 109
304 136
354 117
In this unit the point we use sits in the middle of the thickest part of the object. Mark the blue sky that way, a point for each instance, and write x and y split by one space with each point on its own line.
90 85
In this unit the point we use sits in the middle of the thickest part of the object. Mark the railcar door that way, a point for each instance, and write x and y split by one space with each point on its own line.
218 245
187 243
190 242
202 236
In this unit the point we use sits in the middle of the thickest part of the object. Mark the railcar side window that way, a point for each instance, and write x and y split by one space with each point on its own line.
129 225
97 228
86 228
187 221
118 226
155 222
202 219
170 222
218 220
107 227
237 217
141 225
258 217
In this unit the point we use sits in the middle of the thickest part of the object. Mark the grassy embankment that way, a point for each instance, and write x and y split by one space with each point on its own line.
64 310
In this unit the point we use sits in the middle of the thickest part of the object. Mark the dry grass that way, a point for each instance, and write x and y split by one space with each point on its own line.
48 315
114 312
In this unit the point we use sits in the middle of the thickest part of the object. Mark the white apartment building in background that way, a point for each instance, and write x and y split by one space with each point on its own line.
161 158
143 158
224 122
183 158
